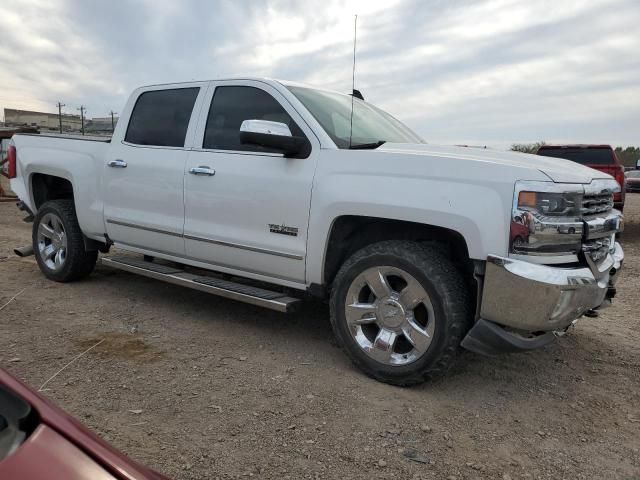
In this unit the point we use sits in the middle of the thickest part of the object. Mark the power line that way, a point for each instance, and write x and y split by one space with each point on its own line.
113 123
82 109
60 105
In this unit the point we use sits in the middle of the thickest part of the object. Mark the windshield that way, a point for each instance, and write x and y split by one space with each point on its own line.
585 156
633 174
371 126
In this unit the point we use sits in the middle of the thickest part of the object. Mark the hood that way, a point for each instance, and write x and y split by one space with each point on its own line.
557 169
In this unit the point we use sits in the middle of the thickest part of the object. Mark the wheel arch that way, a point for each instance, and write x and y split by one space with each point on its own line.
45 187
350 233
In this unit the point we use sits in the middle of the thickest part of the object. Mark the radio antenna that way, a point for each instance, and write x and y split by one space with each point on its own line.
353 76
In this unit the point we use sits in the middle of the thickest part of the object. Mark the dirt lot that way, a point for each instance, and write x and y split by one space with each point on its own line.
226 390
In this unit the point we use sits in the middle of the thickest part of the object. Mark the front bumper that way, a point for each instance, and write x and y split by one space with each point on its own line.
535 298
538 299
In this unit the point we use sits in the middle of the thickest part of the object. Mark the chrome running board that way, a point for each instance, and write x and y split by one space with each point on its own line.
224 288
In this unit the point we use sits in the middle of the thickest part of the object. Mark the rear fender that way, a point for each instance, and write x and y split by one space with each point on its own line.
82 170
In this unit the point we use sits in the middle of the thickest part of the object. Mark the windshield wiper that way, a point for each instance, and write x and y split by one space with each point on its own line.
365 146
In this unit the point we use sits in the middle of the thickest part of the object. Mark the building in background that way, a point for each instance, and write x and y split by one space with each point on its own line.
100 125
41 120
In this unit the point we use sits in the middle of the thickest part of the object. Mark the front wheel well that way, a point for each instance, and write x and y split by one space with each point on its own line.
49 187
351 233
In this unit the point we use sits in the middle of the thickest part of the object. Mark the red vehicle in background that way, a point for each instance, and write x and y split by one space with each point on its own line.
39 441
600 157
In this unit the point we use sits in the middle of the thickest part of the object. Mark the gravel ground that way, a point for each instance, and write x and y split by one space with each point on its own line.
200 387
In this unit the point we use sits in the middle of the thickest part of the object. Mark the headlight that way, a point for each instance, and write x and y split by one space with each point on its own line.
546 219
566 204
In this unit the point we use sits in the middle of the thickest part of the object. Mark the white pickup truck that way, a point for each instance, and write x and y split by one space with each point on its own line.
268 192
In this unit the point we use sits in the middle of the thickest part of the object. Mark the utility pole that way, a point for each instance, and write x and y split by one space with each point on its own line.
113 123
60 105
82 109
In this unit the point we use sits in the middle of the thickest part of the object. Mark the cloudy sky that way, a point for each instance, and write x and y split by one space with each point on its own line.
488 72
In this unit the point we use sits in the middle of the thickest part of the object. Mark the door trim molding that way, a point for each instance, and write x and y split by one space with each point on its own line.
292 256
276 253
140 227
216 266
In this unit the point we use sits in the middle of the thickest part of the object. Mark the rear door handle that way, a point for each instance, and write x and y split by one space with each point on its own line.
117 163
202 170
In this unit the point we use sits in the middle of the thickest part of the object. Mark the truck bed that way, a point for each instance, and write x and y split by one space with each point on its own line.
86 138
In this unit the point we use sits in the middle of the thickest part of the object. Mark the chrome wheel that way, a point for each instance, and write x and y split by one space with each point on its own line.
52 242
390 315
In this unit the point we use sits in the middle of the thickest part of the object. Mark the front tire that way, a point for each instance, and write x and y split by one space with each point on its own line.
399 310
58 243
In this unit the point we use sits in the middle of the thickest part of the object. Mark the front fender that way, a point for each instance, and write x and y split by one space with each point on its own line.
477 212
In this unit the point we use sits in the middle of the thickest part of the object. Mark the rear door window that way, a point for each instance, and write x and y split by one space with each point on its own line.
585 156
161 117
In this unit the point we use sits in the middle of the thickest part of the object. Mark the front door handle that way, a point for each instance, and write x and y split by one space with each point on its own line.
202 170
117 163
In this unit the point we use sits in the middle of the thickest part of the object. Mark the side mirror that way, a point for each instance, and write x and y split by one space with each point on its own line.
274 135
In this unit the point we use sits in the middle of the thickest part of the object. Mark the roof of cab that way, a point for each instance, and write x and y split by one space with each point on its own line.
268 80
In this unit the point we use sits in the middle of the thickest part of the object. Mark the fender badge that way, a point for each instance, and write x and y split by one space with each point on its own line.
283 229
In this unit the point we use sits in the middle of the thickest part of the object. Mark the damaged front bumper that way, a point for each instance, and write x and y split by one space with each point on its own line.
524 304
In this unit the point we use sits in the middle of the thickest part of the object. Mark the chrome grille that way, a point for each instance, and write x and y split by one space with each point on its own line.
597 203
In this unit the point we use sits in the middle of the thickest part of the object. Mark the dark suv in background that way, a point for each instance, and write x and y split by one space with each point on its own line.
600 157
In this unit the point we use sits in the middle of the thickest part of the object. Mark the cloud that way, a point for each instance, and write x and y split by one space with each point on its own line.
484 72
38 65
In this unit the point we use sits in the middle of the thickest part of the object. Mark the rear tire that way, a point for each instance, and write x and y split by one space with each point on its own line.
399 310
58 243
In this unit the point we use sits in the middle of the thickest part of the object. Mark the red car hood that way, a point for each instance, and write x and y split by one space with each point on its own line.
61 448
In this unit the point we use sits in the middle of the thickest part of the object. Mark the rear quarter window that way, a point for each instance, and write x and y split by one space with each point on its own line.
161 117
